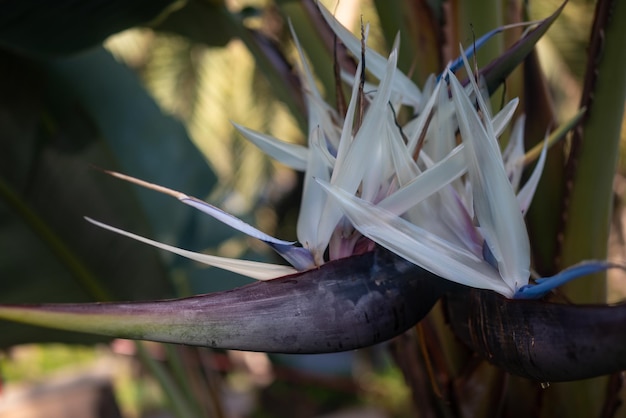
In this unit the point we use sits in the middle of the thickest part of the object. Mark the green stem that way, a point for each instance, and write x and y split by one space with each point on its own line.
176 398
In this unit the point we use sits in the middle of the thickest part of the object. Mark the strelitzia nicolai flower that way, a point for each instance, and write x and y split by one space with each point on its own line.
447 207
435 192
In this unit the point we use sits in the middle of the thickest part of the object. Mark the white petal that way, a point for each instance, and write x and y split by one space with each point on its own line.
513 155
252 269
502 119
526 194
363 154
308 79
313 202
297 256
346 132
427 183
495 203
375 62
422 119
418 245
363 150
292 155
440 137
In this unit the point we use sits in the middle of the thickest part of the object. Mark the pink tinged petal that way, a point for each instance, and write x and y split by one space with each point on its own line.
527 192
495 204
418 245
252 269
343 240
292 155
513 155
376 63
454 214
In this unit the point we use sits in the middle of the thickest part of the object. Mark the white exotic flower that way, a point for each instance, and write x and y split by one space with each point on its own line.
436 191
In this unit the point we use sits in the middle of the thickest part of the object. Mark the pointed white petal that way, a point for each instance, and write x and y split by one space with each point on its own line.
252 269
375 62
298 257
363 150
313 202
231 220
418 245
502 119
513 155
309 80
292 155
440 137
346 132
363 154
404 168
427 183
495 203
422 120
526 194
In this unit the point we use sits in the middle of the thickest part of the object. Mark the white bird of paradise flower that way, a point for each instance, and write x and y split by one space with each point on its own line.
437 192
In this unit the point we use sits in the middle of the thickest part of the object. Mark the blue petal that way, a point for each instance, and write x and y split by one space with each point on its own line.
478 43
546 284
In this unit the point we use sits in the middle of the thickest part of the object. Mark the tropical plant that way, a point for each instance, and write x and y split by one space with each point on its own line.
67 108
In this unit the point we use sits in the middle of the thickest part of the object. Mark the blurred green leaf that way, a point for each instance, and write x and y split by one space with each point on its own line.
47 28
48 252
57 120
145 142
595 149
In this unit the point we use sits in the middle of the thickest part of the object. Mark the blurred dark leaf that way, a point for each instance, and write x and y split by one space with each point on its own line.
57 119
53 27
200 21
145 142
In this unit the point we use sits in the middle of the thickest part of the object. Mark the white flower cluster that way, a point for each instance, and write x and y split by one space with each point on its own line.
436 191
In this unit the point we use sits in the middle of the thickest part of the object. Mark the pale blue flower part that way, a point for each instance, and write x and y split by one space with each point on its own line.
546 284
469 52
